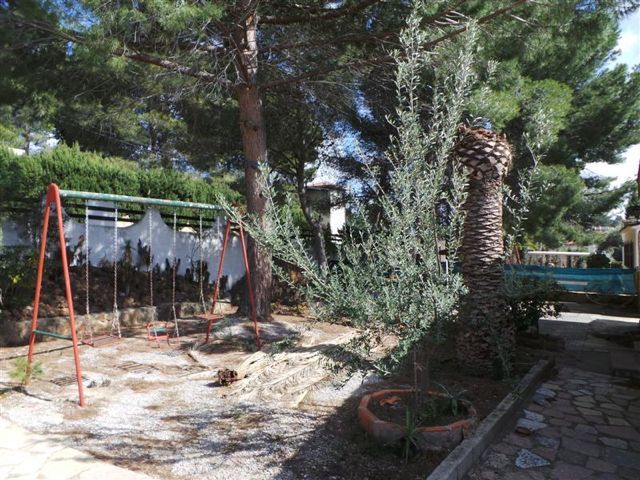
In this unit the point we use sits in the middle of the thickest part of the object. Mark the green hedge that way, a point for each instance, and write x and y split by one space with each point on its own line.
25 178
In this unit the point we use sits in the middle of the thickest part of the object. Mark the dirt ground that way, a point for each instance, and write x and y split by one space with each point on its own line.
160 409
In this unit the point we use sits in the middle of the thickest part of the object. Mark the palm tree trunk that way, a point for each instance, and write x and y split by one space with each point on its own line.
486 338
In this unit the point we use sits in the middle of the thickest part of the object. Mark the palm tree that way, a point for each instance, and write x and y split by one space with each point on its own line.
486 339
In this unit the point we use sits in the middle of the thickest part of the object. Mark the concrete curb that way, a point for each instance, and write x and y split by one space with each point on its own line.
463 457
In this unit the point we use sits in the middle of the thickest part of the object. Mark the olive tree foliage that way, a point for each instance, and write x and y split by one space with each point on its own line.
389 280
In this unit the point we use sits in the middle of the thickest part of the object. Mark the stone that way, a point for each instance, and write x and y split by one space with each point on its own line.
611 406
565 471
623 458
548 442
540 400
589 411
559 422
546 393
496 461
572 457
93 380
627 433
530 425
536 417
600 465
614 442
527 459
546 453
518 440
579 446
618 421
586 429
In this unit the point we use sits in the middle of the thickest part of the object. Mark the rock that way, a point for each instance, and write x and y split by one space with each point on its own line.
93 380
540 400
546 393
530 425
527 459
536 417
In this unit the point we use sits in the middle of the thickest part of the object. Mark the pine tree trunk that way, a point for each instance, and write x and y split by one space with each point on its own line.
254 144
486 339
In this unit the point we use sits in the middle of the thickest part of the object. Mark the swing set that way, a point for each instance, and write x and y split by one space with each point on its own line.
155 332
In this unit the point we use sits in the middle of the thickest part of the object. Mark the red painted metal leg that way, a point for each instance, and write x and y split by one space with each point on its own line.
250 287
216 289
67 287
36 298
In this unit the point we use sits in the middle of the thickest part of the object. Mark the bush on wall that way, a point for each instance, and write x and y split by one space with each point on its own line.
25 178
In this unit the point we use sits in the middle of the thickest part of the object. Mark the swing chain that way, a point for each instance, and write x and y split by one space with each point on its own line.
86 271
201 285
173 276
115 321
150 268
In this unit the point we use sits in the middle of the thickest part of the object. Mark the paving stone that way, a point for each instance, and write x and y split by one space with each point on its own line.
618 421
527 459
564 395
546 392
574 458
548 442
623 458
546 453
600 465
534 416
628 473
611 406
552 432
579 446
581 428
540 400
497 461
535 408
565 471
559 422
589 411
571 433
614 442
554 412
519 440
627 433
530 425
505 448
599 420
584 399
574 418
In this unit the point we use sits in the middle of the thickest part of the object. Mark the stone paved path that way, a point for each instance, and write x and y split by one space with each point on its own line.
28 456
579 425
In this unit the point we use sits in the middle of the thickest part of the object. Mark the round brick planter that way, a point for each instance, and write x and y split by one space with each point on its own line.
432 438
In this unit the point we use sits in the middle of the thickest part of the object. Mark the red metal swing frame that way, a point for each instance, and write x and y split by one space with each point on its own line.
53 198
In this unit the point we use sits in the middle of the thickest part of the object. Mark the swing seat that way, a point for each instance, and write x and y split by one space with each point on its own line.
100 340
210 317
157 332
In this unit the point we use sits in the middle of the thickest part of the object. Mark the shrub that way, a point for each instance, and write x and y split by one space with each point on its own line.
598 260
531 299
26 178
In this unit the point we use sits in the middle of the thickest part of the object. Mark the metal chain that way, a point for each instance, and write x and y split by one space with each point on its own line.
173 276
115 321
201 285
150 258
87 320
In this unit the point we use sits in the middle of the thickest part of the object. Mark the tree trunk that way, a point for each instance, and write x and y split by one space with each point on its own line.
486 338
254 144
319 247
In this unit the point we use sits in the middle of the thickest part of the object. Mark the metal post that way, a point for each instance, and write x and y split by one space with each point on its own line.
68 294
36 299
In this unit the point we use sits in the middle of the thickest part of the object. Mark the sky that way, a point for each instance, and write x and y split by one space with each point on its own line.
629 46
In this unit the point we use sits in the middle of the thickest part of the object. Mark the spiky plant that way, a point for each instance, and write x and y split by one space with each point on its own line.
486 337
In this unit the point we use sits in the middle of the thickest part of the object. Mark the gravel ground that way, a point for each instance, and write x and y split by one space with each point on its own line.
176 423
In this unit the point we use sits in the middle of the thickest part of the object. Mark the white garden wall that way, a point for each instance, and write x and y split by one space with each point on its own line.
101 243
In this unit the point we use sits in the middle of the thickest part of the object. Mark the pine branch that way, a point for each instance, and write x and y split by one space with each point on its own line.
357 65
327 14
